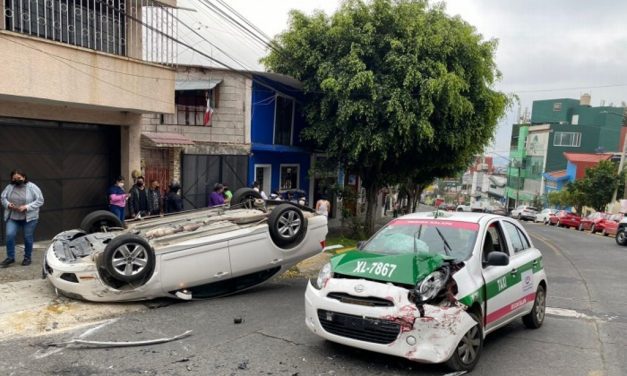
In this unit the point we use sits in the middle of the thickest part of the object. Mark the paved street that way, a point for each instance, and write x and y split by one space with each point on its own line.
584 334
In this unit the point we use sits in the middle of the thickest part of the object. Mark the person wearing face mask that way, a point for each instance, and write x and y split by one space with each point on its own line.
139 204
154 196
117 198
21 201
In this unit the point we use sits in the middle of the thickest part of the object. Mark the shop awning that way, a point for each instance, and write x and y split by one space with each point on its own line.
166 140
182 85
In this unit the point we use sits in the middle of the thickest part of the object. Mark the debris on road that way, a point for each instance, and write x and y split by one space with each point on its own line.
238 320
105 344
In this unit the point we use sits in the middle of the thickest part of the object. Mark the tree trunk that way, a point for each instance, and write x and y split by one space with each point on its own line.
371 211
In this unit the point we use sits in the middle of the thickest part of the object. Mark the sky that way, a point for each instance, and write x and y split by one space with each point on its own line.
546 49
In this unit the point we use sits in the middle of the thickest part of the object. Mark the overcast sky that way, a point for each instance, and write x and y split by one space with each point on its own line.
547 48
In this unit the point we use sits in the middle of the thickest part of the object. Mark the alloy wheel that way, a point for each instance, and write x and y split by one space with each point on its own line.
540 306
289 224
130 259
468 347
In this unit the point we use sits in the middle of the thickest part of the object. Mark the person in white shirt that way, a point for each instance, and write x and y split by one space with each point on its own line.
262 193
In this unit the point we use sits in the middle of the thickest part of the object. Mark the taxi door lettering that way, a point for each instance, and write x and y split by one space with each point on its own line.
502 283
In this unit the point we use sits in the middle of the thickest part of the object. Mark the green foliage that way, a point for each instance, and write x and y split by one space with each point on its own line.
393 88
599 184
537 202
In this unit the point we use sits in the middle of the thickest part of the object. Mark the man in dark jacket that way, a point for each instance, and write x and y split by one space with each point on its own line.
154 197
173 201
139 202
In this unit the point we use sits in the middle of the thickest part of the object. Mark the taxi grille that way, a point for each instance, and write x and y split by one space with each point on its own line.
359 328
368 301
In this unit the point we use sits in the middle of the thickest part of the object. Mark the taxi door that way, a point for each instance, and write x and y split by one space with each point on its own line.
498 294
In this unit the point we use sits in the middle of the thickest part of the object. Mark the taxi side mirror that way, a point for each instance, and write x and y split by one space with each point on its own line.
360 244
497 259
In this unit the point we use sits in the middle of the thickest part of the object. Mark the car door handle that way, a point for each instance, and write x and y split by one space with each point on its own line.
276 261
220 274
514 271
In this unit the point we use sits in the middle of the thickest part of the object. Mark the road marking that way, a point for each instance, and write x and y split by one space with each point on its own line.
570 313
548 243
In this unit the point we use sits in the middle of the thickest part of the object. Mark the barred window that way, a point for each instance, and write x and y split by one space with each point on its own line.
572 139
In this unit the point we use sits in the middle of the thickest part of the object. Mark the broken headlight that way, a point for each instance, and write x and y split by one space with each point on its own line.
431 286
325 274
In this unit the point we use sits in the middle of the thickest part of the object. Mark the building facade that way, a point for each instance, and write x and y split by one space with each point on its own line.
557 127
181 147
75 80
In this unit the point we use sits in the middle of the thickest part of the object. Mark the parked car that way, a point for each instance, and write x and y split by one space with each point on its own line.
429 287
447 207
525 212
611 225
594 222
498 210
194 254
297 196
564 218
544 215
621 232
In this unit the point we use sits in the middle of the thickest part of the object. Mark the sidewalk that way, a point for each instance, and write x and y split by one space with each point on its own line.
17 272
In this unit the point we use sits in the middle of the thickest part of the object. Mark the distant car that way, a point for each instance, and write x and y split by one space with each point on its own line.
526 212
497 210
297 196
429 287
447 207
564 218
621 232
594 222
611 225
544 216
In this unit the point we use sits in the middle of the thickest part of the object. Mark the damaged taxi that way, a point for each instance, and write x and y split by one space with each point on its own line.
193 254
429 287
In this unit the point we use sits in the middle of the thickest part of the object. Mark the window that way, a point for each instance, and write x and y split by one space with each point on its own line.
557 107
572 139
514 237
284 120
493 235
289 177
191 106
524 239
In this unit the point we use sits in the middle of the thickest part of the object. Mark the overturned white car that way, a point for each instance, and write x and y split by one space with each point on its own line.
428 287
195 254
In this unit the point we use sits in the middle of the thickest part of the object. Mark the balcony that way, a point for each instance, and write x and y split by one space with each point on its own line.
88 54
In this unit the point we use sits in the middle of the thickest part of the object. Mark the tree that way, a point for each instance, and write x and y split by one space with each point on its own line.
599 184
392 88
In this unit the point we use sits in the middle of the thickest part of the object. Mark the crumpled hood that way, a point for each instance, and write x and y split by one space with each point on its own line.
407 268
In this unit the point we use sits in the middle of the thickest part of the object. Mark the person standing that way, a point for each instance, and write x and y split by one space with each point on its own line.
323 206
228 195
216 198
173 201
117 198
21 200
257 188
138 201
154 197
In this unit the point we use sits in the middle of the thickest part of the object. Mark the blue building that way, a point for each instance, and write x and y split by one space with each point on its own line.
278 159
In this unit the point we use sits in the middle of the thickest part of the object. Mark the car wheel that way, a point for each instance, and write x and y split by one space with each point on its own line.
559 224
466 355
129 258
518 216
546 222
535 318
580 228
593 229
101 221
604 233
287 225
245 197
621 237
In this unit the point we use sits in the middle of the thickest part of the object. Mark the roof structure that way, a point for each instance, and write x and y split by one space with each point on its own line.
556 175
587 157
163 139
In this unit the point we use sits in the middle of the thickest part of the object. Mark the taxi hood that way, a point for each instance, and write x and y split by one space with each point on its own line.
406 268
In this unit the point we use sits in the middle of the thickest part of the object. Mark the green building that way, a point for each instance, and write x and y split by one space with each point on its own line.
557 126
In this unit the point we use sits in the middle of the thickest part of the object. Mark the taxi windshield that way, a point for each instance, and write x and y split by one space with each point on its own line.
451 238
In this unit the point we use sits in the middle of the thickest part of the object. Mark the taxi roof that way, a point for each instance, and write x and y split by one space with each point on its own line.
470 217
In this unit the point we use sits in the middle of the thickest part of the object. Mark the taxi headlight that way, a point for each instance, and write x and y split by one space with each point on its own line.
431 286
325 274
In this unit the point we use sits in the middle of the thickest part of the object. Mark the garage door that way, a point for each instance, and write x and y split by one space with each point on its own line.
201 172
73 164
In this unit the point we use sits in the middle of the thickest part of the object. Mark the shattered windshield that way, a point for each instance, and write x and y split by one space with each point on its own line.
450 238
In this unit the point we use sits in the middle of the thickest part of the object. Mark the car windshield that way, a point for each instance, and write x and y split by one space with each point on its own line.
451 238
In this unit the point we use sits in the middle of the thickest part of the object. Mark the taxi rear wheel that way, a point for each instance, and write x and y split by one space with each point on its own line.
466 355
535 318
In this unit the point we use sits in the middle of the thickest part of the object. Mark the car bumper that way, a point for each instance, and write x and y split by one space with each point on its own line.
430 338
529 217
80 280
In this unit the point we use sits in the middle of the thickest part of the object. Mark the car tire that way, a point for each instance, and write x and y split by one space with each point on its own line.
546 222
604 233
593 229
129 258
245 197
621 237
100 221
474 338
535 318
287 225
519 217
580 228
559 224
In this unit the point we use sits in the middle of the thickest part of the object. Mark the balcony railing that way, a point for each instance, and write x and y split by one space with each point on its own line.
142 29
